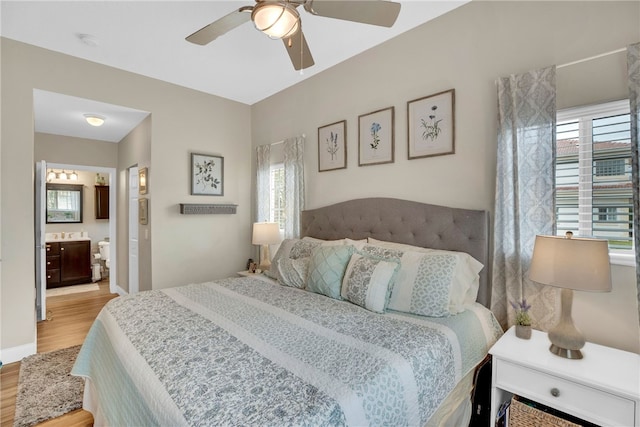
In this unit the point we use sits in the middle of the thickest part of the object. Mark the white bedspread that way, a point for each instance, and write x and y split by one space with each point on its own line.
243 351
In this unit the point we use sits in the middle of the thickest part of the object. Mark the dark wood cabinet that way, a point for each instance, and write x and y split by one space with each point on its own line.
68 263
102 202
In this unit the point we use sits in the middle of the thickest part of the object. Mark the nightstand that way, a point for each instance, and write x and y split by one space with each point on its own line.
602 388
246 273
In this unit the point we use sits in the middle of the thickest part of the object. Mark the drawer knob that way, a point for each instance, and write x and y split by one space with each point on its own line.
555 392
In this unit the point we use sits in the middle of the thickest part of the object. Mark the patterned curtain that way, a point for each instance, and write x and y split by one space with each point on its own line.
263 186
293 185
633 64
525 192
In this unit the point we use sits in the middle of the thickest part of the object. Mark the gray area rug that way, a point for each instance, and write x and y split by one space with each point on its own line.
46 388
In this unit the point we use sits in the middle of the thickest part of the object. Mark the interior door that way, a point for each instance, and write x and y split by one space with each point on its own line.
40 245
134 276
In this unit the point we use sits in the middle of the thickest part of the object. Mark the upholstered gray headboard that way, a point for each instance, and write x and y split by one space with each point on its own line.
408 222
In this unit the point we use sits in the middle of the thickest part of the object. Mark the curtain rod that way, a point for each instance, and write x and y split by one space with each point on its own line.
281 142
591 57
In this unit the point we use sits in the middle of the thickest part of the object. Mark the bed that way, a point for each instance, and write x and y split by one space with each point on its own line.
288 350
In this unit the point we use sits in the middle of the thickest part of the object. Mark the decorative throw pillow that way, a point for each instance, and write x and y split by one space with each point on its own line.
326 269
424 283
464 281
290 248
293 272
367 282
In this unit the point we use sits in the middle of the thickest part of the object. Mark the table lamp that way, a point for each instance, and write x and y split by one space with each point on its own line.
265 234
571 264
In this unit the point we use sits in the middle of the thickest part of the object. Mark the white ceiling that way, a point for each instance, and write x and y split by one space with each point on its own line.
59 114
148 37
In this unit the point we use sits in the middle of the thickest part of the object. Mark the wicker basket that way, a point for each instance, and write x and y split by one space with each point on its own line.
523 415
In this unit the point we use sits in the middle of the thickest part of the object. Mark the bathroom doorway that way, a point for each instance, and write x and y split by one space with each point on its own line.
55 237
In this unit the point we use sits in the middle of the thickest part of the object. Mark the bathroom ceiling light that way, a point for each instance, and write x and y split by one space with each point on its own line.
94 119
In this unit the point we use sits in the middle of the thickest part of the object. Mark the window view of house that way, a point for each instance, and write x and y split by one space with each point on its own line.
593 173
277 195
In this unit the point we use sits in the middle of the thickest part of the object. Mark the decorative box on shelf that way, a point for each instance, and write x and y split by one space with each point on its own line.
602 388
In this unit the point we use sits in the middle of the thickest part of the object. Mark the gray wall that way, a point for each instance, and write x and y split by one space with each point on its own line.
184 248
467 49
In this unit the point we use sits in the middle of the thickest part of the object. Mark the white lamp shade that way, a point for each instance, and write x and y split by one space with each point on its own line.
573 263
265 233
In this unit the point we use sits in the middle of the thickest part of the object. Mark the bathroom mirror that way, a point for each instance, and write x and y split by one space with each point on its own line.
64 203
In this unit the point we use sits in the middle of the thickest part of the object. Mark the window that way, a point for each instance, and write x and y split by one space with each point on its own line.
277 198
593 173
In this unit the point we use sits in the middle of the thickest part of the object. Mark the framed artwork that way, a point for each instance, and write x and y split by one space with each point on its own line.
143 210
431 125
376 137
332 146
142 180
207 175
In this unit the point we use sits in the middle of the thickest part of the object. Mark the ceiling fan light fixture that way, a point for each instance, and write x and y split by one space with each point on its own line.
94 119
277 19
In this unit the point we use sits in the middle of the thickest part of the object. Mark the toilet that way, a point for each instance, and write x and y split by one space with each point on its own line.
104 252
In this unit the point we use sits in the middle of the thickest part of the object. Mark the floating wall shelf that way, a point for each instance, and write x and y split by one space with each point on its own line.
206 209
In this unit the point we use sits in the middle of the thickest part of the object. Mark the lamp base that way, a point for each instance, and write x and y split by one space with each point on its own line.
265 258
566 339
567 353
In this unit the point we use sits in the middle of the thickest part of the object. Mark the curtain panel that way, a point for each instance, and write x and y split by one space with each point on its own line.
525 192
293 185
633 64
263 183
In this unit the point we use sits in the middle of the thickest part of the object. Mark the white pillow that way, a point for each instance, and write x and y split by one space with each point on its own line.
367 282
464 280
357 243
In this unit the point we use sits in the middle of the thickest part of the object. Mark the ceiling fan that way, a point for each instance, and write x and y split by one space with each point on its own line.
281 20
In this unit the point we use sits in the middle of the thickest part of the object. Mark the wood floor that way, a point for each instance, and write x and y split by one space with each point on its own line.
70 317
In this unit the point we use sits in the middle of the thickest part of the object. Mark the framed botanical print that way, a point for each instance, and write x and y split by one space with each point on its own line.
332 146
142 180
207 175
376 137
143 210
431 125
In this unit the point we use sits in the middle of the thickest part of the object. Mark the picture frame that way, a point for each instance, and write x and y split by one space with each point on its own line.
142 180
143 210
376 137
207 175
431 125
332 146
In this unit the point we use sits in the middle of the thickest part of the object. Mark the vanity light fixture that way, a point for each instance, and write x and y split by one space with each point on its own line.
73 176
51 175
94 119
62 175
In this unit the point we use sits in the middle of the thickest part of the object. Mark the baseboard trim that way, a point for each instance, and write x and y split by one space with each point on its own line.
121 291
16 354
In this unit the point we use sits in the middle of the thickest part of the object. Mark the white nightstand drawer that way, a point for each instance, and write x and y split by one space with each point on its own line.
585 402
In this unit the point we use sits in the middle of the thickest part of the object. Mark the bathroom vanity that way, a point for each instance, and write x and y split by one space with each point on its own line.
68 262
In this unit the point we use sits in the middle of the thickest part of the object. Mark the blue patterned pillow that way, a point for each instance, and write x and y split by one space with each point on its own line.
366 282
326 269
423 284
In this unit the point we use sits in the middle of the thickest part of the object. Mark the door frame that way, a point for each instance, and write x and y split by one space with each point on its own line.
113 285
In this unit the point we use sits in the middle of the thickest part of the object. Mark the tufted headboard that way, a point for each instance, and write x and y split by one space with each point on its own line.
408 222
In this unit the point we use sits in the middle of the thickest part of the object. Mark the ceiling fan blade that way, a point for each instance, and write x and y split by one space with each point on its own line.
227 23
374 12
298 51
